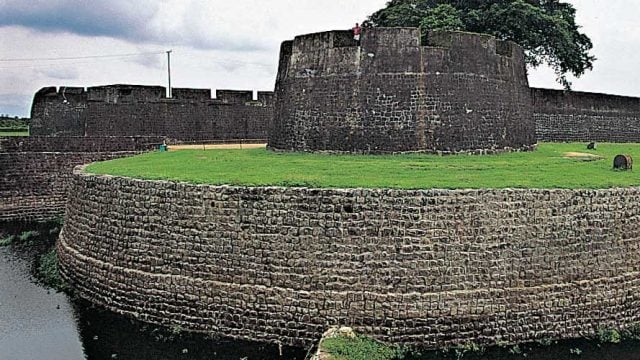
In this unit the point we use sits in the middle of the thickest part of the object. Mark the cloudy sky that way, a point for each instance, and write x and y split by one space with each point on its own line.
221 44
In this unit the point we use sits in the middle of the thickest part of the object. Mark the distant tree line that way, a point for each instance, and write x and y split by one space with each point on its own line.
13 123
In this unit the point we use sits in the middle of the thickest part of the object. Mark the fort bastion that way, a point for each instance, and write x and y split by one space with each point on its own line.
431 267
461 93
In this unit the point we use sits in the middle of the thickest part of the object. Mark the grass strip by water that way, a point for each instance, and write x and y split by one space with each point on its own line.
547 167
359 348
22 238
605 340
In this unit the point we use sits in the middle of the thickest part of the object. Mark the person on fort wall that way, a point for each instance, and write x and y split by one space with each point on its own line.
357 30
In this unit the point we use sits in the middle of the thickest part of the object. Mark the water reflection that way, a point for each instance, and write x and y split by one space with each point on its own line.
34 323
38 323
108 336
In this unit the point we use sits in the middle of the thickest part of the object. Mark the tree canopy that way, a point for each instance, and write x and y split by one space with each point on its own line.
545 28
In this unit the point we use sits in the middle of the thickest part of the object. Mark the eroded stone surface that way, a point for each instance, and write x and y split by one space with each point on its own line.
35 172
434 267
579 116
461 93
134 110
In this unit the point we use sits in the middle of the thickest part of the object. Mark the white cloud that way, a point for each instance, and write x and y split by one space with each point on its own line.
233 44
615 33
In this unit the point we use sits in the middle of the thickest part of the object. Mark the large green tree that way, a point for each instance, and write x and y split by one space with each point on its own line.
545 28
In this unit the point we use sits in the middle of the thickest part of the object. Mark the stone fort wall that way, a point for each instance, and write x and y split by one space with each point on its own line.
461 93
579 116
433 267
35 172
130 110
343 99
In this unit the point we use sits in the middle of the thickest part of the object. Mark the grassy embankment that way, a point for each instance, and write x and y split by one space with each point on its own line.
544 168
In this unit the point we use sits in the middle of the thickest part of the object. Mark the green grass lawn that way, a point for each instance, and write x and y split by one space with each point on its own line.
544 168
14 133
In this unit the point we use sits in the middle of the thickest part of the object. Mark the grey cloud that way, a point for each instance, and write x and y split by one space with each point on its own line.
120 19
115 18
65 73
202 41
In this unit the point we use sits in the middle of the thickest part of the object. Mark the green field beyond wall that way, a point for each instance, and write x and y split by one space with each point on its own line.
14 133
545 168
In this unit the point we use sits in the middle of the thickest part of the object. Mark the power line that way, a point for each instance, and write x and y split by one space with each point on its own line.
82 57
218 62
240 62
47 65
62 61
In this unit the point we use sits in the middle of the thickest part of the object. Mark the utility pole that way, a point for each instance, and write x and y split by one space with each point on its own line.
169 92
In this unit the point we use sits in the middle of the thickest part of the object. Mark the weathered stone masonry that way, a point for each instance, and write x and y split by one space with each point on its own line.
130 110
74 126
461 93
434 267
35 171
580 116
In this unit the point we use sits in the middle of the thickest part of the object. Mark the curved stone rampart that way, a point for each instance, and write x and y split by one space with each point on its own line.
462 93
434 267
35 171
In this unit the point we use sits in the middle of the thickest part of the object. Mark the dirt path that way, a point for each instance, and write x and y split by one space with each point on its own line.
582 156
216 146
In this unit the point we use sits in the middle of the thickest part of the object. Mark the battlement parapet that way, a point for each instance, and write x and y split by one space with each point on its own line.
266 97
399 50
125 93
139 110
191 94
122 93
553 100
583 116
234 96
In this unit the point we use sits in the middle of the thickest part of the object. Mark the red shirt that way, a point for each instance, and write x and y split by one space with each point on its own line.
357 30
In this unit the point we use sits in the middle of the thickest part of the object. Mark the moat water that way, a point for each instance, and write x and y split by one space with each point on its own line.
39 323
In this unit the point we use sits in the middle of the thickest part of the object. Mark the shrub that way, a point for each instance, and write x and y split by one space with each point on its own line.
358 348
608 336
48 271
